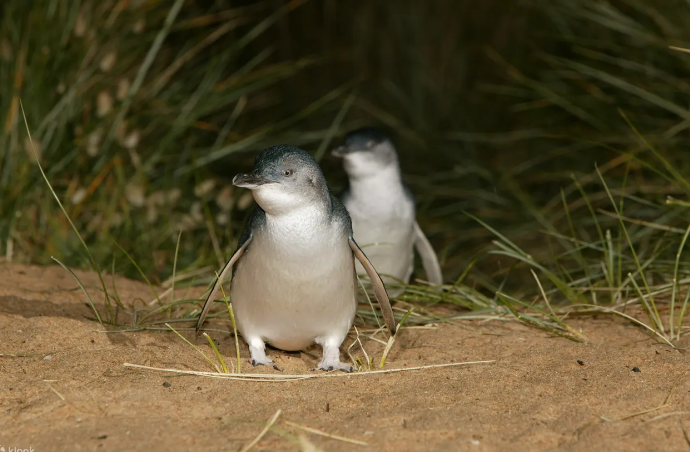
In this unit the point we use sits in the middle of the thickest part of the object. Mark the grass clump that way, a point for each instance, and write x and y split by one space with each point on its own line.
567 196
606 84
124 101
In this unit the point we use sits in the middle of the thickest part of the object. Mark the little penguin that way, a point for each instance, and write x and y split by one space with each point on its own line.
294 282
382 209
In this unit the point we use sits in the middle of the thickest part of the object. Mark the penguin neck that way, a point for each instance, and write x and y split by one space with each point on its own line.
300 226
378 189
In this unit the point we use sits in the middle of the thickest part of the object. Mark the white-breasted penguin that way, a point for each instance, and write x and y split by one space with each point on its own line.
294 282
382 209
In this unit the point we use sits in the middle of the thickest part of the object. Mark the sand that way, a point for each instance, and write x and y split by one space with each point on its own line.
67 389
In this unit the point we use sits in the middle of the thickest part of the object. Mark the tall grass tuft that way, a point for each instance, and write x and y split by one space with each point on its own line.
546 142
607 84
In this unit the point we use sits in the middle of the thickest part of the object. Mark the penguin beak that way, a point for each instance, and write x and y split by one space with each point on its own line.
340 151
250 180
344 151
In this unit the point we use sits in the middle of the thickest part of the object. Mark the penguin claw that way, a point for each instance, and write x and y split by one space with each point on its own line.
261 363
340 366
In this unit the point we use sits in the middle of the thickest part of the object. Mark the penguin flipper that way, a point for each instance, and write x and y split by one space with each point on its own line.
377 283
428 255
216 286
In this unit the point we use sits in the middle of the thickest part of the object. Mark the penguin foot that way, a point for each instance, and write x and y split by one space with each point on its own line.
331 355
335 366
266 362
257 350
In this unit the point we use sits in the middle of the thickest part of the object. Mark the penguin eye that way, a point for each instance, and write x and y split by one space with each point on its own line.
286 172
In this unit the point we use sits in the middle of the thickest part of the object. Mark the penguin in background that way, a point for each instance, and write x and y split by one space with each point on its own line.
382 209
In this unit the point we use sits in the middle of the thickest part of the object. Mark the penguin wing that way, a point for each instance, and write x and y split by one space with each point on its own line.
216 285
379 288
428 255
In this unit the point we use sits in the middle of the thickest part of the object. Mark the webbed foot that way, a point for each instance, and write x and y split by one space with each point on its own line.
335 366
257 350
331 357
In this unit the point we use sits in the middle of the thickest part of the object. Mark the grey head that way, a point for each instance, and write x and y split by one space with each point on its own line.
366 152
285 178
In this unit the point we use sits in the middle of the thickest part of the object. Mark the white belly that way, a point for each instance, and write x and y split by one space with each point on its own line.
390 249
387 238
383 218
293 295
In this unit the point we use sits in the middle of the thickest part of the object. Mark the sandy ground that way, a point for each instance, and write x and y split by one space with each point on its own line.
68 390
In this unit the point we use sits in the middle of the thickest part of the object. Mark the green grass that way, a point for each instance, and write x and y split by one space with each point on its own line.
123 116
615 88
546 144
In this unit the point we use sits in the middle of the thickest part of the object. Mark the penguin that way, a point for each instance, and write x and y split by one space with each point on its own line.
382 209
294 280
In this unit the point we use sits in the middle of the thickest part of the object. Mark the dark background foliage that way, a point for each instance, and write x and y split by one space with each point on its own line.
495 106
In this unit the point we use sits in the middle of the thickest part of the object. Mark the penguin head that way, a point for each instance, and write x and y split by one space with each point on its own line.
366 152
284 178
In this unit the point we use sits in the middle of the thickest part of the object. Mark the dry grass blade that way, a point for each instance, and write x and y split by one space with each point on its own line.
632 319
680 49
541 290
327 435
294 377
56 392
214 365
631 415
306 445
269 424
361 346
391 339
81 286
50 187
665 415
231 313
